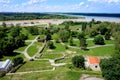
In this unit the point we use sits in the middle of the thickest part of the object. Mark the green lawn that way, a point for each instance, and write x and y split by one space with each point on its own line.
66 60
110 41
31 37
51 56
34 48
75 27
23 48
59 47
100 51
90 43
61 73
35 66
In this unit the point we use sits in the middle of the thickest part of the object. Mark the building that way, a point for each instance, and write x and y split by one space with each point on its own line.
92 62
5 66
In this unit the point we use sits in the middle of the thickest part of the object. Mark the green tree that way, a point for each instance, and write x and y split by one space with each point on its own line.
64 35
50 45
17 61
15 31
33 30
117 43
81 35
66 27
94 33
99 40
111 68
71 41
103 30
48 37
83 44
107 35
82 40
84 25
4 25
78 61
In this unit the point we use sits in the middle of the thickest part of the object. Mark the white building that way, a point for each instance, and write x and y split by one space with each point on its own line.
92 62
5 66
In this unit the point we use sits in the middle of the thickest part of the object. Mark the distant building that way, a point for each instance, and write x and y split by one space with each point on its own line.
92 62
5 66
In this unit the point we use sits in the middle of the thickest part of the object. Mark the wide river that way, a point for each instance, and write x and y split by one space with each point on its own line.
58 21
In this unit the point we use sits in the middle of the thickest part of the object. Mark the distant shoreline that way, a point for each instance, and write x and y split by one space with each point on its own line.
58 21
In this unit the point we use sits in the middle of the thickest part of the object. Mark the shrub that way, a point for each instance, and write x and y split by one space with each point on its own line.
99 40
50 45
78 61
17 61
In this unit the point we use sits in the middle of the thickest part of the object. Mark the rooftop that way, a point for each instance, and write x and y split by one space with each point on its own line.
93 60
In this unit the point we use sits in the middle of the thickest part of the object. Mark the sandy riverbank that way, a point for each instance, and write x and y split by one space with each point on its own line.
57 21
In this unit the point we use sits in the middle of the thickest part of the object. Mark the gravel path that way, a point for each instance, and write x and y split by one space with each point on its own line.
18 73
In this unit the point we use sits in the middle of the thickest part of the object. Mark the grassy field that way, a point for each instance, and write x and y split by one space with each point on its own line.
58 48
50 56
38 65
30 36
75 27
61 73
32 50
23 48
100 51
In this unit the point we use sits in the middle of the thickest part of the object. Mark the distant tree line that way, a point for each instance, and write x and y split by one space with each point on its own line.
30 16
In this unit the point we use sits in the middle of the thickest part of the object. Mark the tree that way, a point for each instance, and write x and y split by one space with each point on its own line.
111 68
94 33
64 35
81 35
83 44
117 44
48 37
71 41
103 30
78 61
107 36
4 25
82 40
50 45
15 31
66 27
33 30
84 25
17 61
99 40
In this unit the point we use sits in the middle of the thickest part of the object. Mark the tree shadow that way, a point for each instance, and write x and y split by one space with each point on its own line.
85 49
13 54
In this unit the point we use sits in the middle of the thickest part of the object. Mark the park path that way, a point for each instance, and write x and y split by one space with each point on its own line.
25 51
96 46
19 73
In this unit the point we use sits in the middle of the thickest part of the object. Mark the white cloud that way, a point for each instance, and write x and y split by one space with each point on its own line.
109 1
81 3
33 2
4 1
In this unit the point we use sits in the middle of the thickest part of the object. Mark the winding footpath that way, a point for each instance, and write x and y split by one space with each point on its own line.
25 51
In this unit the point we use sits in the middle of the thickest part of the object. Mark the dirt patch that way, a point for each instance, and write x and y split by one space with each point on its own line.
89 77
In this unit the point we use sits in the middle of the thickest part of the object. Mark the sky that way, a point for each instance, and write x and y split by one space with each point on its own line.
79 6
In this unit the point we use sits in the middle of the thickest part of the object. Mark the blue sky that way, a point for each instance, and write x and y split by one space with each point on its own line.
96 6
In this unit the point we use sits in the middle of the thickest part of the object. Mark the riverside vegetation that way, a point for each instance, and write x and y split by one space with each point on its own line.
94 38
